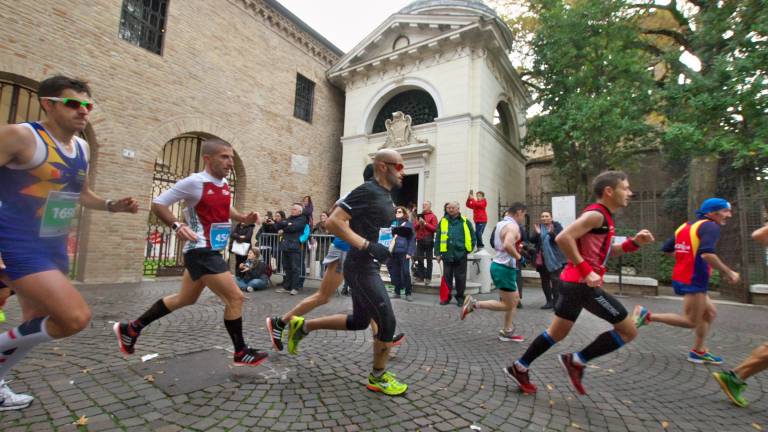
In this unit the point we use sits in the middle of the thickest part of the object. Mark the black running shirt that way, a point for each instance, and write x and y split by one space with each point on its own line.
371 208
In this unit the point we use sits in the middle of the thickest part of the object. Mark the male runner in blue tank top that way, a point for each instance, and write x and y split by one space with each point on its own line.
587 243
44 176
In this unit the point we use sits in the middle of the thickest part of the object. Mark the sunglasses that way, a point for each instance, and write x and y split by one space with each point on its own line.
398 166
72 103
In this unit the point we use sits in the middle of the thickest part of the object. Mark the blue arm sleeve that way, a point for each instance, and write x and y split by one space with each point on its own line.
669 245
709 234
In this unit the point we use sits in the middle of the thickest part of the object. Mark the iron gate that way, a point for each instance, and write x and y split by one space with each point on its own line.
18 104
180 157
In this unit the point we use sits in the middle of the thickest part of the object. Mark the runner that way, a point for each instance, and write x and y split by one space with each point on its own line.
507 243
587 243
207 211
333 277
733 382
693 247
362 219
44 175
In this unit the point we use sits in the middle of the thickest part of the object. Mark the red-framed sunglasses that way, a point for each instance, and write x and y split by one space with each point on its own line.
398 166
72 103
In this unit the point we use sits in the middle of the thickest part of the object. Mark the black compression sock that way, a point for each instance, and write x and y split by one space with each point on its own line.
605 343
235 330
157 311
539 346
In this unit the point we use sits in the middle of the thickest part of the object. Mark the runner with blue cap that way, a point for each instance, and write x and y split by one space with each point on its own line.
693 247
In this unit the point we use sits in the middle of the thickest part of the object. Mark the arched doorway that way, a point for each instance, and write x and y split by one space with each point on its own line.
18 104
180 157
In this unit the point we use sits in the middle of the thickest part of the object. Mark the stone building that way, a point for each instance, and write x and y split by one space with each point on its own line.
444 64
164 75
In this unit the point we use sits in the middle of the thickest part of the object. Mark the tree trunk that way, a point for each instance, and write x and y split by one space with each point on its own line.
702 183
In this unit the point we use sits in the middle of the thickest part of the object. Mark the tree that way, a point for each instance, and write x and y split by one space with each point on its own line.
594 87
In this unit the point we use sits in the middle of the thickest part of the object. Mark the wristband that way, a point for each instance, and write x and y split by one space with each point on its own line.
108 204
629 245
584 268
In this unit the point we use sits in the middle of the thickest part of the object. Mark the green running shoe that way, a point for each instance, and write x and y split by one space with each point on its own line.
386 384
733 386
295 334
641 316
2 316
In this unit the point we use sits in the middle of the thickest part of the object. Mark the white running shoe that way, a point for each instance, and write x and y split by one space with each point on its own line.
12 401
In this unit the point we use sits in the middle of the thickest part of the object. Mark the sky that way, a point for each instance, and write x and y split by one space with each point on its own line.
344 22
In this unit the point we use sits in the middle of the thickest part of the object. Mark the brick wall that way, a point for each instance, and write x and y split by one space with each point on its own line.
228 69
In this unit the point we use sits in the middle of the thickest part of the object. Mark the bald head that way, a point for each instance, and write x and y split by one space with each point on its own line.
387 155
388 168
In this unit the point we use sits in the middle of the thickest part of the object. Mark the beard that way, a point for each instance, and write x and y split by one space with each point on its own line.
395 181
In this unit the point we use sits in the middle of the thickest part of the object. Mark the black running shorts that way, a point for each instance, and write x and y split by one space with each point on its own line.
204 261
370 300
575 296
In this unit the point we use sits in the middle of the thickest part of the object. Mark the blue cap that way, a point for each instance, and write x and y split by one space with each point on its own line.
712 205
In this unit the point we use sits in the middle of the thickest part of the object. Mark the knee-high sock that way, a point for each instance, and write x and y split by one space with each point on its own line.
156 311
17 342
235 330
607 342
539 346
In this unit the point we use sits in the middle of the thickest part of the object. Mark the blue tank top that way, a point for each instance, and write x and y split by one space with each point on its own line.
38 203
341 244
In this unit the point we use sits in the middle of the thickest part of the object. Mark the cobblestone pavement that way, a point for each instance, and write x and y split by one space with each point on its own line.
454 369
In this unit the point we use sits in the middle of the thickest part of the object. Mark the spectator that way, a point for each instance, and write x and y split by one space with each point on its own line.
549 258
524 247
252 273
291 230
321 245
399 265
308 209
479 215
242 233
456 238
426 225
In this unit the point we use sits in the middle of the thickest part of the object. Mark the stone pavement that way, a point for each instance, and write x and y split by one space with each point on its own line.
454 370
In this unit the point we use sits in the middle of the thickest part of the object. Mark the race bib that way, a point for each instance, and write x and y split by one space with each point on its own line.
219 235
385 236
60 208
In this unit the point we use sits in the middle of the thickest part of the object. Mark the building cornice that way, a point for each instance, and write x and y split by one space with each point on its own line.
280 20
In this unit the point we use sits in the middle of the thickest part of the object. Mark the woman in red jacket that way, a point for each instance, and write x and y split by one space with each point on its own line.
479 215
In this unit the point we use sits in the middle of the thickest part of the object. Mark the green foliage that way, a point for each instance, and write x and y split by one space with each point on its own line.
594 87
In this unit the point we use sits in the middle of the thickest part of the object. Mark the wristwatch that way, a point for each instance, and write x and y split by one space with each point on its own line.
175 226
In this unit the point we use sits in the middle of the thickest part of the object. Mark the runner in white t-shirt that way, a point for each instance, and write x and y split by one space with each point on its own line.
207 212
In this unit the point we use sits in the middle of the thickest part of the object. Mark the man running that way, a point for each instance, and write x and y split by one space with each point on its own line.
507 242
208 212
587 243
733 382
361 219
693 247
44 176
333 277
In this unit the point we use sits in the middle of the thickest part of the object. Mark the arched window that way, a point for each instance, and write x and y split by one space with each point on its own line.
501 120
416 103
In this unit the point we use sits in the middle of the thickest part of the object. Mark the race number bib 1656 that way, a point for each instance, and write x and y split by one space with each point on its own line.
220 235
60 209
385 236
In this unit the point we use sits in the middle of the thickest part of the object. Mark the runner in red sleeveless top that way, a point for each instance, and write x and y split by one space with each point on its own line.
588 242
693 247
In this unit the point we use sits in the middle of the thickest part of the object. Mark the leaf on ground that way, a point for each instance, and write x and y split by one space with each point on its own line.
149 378
551 402
628 402
575 425
82 421
665 424
757 426
550 387
611 371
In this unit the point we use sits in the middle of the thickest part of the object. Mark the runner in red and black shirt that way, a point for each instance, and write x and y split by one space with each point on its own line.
207 229
587 243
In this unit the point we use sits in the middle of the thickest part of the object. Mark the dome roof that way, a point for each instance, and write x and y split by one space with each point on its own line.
461 6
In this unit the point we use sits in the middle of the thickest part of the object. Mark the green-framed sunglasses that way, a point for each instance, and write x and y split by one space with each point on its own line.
71 102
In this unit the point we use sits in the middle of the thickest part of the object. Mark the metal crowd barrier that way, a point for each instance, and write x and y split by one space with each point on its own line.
312 253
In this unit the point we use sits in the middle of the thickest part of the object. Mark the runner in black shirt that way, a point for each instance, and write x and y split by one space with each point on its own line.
358 220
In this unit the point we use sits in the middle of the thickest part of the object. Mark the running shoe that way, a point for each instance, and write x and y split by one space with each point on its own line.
707 357
468 307
293 292
508 336
275 329
282 290
126 336
2 316
641 315
521 378
575 372
250 357
387 384
409 298
295 334
398 339
733 386
12 401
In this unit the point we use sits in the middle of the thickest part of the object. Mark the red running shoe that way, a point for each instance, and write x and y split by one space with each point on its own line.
126 336
398 339
521 378
249 357
575 372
